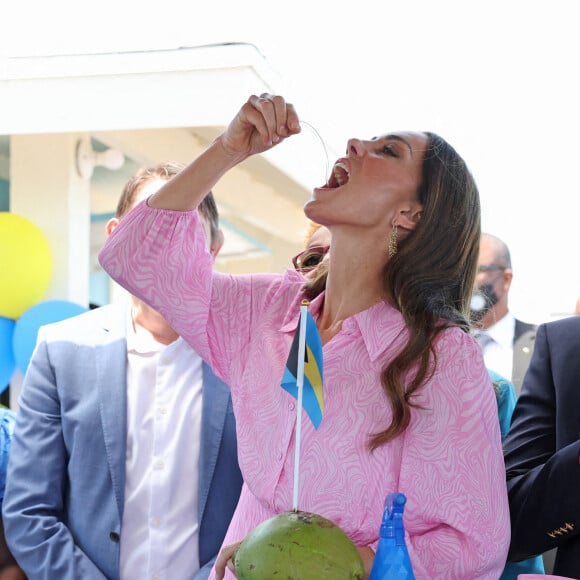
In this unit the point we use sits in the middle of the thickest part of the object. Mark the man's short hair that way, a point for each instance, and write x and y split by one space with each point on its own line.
500 249
165 171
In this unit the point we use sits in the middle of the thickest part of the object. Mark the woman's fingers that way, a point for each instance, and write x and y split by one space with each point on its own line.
292 121
286 118
279 117
257 112
275 108
261 123
224 560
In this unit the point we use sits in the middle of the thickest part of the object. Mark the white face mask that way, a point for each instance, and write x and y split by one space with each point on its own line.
483 299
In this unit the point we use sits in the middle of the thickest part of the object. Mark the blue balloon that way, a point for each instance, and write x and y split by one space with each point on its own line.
7 361
26 328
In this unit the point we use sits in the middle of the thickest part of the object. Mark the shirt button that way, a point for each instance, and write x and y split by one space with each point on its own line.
291 406
163 410
159 464
280 455
114 537
155 522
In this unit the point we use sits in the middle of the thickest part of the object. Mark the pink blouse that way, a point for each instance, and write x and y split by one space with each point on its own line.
448 462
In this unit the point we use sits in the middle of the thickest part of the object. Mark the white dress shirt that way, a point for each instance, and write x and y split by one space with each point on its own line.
498 353
160 527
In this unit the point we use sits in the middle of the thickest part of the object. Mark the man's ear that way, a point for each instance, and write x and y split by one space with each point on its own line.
111 225
217 244
507 279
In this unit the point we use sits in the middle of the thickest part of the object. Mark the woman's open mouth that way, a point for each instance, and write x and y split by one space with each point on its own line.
339 175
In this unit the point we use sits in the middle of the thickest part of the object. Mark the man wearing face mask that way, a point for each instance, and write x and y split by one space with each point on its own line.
507 342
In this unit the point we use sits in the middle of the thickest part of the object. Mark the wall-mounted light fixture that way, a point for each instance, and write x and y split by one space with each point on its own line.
87 158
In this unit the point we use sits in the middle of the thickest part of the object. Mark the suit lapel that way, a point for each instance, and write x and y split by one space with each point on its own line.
523 327
524 336
216 396
111 367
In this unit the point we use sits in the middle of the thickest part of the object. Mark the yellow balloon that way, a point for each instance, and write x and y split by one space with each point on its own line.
25 265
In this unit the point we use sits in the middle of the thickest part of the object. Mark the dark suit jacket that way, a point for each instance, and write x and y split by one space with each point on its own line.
542 451
524 336
66 477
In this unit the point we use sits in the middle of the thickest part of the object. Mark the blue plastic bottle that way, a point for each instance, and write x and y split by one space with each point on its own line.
392 560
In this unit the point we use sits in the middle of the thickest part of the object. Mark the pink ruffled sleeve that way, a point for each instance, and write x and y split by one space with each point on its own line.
160 256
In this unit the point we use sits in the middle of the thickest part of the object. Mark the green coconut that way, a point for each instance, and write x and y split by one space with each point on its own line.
297 545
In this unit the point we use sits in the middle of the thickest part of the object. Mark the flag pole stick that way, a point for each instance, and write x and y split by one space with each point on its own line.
300 387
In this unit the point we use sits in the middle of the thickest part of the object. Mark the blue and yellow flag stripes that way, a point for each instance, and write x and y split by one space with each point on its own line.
312 399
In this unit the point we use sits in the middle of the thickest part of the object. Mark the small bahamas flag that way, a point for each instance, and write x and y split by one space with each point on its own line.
312 399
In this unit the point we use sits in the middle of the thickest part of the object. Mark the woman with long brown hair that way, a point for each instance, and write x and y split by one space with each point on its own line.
408 405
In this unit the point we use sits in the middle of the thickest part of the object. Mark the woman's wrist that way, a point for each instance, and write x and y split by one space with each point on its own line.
231 158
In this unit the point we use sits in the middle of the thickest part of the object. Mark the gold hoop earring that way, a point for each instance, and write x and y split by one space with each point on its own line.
393 241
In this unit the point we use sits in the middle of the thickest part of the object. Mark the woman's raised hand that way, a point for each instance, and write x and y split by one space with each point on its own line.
261 123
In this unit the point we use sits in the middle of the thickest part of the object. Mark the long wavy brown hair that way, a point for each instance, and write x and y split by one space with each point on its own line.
430 279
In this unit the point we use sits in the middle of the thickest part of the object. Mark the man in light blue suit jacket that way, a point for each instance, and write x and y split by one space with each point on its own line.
65 492
66 498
